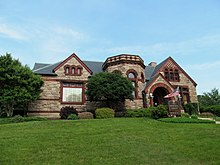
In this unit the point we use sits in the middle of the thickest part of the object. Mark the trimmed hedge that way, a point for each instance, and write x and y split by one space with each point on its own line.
142 112
85 115
184 120
102 113
160 111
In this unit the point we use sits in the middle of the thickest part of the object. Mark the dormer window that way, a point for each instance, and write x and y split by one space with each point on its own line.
67 70
73 70
79 70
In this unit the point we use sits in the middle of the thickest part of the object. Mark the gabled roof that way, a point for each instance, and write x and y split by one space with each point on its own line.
163 63
48 69
153 79
70 57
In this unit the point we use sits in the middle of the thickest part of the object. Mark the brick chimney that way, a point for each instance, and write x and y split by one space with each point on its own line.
153 64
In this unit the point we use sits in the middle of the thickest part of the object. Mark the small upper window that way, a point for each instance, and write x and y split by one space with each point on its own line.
131 75
171 75
67 70
73 70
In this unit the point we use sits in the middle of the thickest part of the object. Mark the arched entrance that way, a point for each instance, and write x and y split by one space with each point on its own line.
158 96
157 93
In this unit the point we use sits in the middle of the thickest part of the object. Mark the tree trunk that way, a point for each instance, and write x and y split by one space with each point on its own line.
9 110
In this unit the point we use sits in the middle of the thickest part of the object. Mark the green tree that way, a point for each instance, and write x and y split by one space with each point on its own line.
18 84
210 98
109 87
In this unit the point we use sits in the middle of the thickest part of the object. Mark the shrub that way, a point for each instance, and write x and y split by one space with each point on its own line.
17 119
102 113
66 111
142 112
206 114
85 115
160 111
185 115
72 117
194 116
215 109
191 108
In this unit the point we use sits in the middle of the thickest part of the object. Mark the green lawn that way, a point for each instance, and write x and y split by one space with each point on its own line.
119 141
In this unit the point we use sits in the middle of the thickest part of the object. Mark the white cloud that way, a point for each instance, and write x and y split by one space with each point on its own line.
205 66
13 33
68 32
184 48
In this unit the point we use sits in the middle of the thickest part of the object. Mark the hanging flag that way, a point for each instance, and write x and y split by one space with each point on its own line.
176 92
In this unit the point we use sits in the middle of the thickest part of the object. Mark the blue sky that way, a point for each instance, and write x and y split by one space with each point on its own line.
48 31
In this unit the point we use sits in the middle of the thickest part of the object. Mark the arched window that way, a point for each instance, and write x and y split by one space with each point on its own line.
73 70
117 72
131 75
66 69
79 71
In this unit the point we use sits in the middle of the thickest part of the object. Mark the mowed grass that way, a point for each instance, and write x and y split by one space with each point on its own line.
118 141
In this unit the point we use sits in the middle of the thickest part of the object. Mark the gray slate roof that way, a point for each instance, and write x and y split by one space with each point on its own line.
47 69
94 66
148 72
159 66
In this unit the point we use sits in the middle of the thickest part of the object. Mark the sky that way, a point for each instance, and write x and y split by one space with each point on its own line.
48 31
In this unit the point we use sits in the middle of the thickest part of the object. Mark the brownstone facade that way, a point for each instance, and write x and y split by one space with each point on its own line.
65 81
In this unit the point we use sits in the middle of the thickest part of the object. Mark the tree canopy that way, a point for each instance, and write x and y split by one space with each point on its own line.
18 84
210 98
110 87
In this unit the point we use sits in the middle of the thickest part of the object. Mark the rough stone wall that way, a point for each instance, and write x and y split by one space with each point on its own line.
135 104
49 103
124 68
185 81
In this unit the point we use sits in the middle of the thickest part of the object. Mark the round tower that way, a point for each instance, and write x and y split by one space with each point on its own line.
132 67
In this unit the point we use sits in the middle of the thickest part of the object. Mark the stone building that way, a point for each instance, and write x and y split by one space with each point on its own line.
65 82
